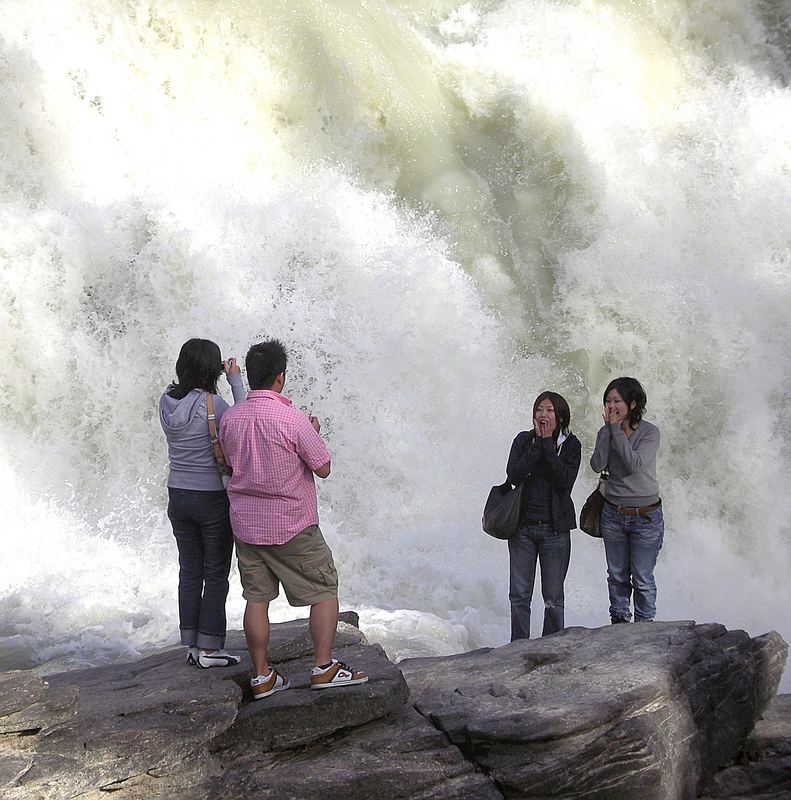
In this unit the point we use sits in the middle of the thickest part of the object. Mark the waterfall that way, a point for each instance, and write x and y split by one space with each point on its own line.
442 209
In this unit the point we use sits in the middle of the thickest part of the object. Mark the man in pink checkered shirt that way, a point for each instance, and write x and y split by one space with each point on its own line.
274 451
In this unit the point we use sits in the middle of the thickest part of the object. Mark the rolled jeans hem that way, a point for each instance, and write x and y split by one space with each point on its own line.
206 641
189 637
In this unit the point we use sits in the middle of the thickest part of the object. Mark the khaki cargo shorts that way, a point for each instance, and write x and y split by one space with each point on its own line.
303 565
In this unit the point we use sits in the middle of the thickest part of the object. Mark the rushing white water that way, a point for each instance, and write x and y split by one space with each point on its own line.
442 209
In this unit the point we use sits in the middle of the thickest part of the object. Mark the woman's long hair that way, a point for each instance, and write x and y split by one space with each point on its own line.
631 391
562 411
198 366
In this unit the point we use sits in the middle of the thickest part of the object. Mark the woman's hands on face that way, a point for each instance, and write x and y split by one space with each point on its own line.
542 428
544 419
230 367
616 409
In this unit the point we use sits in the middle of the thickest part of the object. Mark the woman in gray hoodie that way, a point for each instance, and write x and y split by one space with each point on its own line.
197 501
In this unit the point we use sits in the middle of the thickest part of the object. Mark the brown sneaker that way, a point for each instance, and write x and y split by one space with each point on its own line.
264 685
337 674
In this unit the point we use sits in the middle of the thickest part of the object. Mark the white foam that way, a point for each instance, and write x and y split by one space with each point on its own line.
442 212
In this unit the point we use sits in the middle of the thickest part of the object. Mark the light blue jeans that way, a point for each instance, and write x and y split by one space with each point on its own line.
632 545
552 550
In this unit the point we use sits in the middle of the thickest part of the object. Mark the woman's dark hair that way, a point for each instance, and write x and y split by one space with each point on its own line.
264 362
198 366
562 411
631 391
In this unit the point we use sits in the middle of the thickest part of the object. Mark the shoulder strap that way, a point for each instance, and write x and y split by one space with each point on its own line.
210 415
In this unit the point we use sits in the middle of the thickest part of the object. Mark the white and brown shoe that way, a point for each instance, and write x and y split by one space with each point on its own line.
336 674
264 685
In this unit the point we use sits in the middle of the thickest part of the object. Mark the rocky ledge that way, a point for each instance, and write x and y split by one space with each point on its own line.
666 710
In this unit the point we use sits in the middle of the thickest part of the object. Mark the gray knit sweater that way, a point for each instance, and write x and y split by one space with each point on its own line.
632 463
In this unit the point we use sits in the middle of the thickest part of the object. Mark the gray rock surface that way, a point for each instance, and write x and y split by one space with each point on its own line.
763 771
300 715
402 756
645 711
627 711
160 715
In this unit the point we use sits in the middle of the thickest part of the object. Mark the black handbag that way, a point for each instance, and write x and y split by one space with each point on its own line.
502 510
590 515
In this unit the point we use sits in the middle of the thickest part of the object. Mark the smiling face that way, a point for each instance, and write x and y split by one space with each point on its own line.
616 406
545 414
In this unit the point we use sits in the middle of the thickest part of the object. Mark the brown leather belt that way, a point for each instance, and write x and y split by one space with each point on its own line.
631 511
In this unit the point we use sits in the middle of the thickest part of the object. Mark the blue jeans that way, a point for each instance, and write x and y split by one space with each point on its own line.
203 534
632 545
552 550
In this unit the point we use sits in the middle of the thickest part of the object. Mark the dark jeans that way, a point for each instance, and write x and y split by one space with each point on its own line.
203 534
552 550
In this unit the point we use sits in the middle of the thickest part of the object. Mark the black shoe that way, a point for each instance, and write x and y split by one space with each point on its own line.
616 620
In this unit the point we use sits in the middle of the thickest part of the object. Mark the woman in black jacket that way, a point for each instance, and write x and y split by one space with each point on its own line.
546 460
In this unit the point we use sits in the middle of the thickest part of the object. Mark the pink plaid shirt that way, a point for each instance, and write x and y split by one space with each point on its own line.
273 450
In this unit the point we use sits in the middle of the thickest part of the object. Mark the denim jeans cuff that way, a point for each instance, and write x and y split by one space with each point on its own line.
208 641
189 637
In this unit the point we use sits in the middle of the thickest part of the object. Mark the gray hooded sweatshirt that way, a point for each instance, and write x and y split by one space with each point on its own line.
186 426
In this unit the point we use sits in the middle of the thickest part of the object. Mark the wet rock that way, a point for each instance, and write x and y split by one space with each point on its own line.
130 718
27 705
763 770
645 711
402 756
300 715
627 711
155 719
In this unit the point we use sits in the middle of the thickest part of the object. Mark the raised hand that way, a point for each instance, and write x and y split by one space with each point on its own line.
230 367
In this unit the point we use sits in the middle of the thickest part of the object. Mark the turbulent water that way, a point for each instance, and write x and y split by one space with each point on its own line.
442 209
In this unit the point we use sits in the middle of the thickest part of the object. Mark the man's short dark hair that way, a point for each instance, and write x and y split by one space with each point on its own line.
264 362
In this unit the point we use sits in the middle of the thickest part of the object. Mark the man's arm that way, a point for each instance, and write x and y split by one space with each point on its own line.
323 471
312 449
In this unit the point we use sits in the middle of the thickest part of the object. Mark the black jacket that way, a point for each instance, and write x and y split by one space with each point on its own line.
528 452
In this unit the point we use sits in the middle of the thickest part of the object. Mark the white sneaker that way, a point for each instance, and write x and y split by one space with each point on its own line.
337 674
264 685
219 658
192 656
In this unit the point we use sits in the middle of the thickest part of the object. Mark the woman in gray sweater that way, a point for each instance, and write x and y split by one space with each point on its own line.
197 501
633 526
